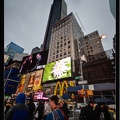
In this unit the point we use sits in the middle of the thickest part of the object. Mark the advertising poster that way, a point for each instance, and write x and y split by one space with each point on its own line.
57 70
21 84
31 82
33 62
37 80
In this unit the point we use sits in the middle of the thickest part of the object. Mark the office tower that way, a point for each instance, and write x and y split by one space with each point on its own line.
91 44
13 48
64 37
112 4
57 12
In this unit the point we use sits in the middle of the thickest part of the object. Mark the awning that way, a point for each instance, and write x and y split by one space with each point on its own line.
76 88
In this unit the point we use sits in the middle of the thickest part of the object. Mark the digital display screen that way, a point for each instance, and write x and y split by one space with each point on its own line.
33 62
57 70
37 79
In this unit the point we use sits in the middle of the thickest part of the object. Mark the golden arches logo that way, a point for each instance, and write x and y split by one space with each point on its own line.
64 84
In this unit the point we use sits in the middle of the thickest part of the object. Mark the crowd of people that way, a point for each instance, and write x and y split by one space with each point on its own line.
52 109
100 112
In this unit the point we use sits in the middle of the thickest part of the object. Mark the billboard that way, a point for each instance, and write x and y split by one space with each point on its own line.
33 62
31 82
21 83
57 70
37 80
10 87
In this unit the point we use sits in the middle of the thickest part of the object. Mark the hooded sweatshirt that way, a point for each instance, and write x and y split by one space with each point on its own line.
18 111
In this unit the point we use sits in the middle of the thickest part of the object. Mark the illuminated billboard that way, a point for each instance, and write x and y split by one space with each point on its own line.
31 82
57 70
33 62
37 80
21 84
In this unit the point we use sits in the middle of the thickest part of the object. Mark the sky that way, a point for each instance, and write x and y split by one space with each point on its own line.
25 21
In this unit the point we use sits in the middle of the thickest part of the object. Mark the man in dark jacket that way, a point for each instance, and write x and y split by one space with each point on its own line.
31 106
87 112
18 111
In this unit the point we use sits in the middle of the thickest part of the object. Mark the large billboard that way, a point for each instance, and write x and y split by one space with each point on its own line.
21 84
57 70
34 81
37 79
33 62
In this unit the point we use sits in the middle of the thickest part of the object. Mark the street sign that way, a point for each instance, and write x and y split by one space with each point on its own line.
82 82
78 78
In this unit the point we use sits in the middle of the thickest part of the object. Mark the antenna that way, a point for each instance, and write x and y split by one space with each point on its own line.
80 22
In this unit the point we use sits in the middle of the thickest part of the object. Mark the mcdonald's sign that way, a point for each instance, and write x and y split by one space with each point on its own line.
61 86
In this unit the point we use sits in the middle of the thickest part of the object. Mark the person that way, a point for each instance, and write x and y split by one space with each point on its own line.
87 112
40 110
47 109
8 106
64 107
104 112
18 111
31 106
57 113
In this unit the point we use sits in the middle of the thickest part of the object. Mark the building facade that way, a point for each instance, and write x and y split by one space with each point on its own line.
112 4
13 48
64 37
57 12
91 44
100 68
35 50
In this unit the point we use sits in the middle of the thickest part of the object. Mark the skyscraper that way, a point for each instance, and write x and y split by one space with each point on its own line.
57 12
64 37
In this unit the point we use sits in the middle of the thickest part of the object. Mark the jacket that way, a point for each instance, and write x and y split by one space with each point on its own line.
18 111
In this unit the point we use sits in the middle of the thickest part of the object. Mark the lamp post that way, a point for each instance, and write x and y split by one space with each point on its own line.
84 97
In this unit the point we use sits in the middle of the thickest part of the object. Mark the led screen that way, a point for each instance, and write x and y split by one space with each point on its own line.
21 83
37 79
57 70
33 62
31 82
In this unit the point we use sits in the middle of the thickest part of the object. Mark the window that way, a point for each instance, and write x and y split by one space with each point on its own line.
68 42
68 46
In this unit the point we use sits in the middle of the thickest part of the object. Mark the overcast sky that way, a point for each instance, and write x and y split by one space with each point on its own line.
25 21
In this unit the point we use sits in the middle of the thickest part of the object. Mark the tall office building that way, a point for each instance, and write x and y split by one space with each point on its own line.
57 12
91 44
64 39
13 48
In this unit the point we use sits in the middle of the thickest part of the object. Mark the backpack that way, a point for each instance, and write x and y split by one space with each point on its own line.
102 116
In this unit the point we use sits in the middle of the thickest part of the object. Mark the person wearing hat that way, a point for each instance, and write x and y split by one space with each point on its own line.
19 111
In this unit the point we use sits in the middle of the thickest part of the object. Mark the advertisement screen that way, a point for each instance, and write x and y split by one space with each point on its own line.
57 70
37 79
21 84
31 82
33 62
38 95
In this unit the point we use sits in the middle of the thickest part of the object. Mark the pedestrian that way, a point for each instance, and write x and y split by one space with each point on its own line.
19 111
40 110
31 106
64 107
87 112
47 109
104 115
57 113
7 107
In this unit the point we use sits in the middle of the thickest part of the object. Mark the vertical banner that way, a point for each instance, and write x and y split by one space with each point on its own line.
37 80
31 82
21 84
